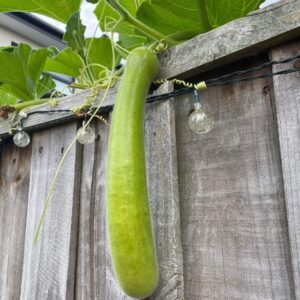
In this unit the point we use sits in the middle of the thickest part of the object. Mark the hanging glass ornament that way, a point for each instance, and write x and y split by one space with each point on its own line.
86 134
200 121
21 138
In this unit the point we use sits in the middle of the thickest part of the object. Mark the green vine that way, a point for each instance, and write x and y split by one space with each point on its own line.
140 25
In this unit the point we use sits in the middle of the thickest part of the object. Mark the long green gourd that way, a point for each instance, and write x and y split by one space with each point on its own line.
128 216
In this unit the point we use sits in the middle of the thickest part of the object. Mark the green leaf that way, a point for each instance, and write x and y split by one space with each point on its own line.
21 71
173 17
109 18
6 98
12 71
132 39
60 10
44 85
106 14
177 18
92 1
36 64
7 48
132 6
66 62
100 55
222 11
74 35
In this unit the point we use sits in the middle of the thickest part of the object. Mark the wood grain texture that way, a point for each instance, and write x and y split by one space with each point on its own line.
88 252
161 157
287 95
14 182
49 265
235 40
95 278
233 218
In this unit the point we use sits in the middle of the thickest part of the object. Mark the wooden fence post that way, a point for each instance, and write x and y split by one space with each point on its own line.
287 97
161 155
233 219
14 182
49 265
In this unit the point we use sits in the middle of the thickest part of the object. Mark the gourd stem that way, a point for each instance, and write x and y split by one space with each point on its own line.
140 25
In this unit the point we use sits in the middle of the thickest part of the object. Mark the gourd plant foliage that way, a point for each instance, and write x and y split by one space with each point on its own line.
21 72
24 72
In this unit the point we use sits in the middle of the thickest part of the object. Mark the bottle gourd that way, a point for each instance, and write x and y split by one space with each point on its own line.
128 216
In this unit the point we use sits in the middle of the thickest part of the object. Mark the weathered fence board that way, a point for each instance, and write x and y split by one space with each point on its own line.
160 144
49 265
287 94
14 181
234 227
95 279
86 255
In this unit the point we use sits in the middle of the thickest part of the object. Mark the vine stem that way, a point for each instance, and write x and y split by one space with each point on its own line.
84 58
66 152
140 25
27 104
79 86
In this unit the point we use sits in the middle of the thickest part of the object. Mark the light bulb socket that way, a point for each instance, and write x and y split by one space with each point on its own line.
197 105
197 99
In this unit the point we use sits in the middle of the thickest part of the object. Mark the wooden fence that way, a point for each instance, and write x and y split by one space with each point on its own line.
225 205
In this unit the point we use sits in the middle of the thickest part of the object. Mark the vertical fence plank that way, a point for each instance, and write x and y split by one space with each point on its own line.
112 289
234 226
287 97
160 145
86 253
14 182
95 278
49 265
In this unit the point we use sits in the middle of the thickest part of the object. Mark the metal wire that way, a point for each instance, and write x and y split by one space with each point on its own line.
267 75
221 80
183 91
257 68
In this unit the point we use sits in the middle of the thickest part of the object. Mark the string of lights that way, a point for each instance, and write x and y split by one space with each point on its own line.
200 121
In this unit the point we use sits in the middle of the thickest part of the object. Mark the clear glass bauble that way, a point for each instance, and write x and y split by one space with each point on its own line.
86 135
200 121
21 139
